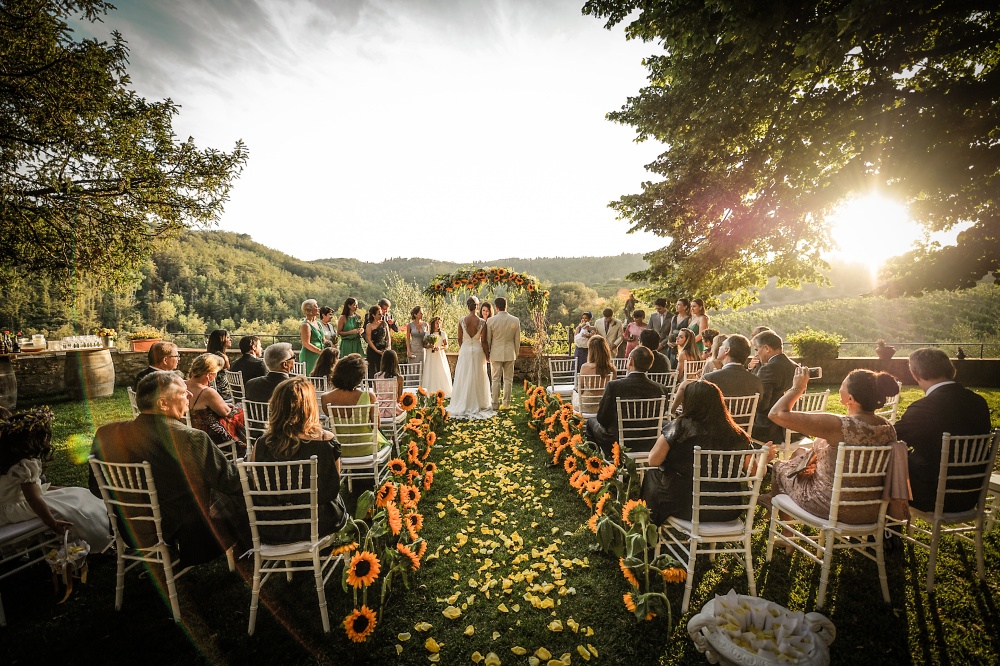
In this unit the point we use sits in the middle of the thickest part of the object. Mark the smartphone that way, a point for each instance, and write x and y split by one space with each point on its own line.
815 373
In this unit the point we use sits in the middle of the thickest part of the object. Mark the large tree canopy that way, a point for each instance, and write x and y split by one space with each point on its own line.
90 172
773 113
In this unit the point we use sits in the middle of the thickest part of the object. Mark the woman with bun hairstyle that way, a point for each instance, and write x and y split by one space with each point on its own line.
862 392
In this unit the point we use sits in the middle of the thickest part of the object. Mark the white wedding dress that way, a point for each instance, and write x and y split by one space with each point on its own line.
436 375
470 394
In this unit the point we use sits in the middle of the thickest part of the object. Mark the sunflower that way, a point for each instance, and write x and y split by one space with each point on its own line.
634 510
577 478
428 480
629 576
431 438
397 467
629 601
594 464
616 454
363 570
416 421
592 523
407 401
413 453
594 487
556 453
412 474
345 548
414 523
525 385
600 504
519 280
562 439
430 467
422 391
409 554
570 465
502 272
359 624
529 405
675 575
530 287
538 413
607 472
394 518
439 394
409 496
385 494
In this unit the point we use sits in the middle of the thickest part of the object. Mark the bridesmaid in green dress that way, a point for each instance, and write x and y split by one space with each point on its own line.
349 329
699 322
311 332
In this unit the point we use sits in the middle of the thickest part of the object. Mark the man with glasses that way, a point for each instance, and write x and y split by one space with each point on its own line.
161 356
280 361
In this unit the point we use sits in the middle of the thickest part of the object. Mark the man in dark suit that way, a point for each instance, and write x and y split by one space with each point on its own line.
946 407
603 428
775 373
733 379
280 360
201 500
650 339
250 364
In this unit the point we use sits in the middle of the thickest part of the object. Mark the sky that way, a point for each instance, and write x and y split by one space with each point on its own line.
457 130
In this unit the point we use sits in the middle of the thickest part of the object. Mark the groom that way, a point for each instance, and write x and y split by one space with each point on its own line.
503 336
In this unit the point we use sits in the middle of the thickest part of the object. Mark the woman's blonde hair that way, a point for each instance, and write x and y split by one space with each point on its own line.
204 364
293 416
307 302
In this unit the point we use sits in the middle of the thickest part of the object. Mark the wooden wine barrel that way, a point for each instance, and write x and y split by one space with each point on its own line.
90 373
8 384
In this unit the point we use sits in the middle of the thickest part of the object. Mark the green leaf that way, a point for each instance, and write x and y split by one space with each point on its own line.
365 502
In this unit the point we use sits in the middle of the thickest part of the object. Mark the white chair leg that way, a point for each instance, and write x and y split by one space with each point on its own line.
932 556
824 574
320 592
120 576
748 563
980 561
230 561
692 556
880 560
772 534
288 574
168 574
254 594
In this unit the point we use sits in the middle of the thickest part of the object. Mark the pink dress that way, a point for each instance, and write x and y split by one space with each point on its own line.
633 330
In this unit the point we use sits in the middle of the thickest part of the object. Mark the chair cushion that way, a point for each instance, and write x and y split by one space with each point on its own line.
788 505
995 483
734 528
14 531
563 390
946 518
290 549
361 461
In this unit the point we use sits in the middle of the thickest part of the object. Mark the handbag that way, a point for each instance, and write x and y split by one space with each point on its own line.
67 562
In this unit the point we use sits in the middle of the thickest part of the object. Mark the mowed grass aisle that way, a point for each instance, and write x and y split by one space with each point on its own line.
510 563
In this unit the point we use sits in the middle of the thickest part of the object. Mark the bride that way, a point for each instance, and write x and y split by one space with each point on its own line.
470 396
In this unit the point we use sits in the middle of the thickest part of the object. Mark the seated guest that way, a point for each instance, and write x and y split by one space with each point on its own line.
599 364
280 360
650 339
734 380
946 407
294 433
669 489
390 370
325 363
209 412
201 500
25 449
603 428
348 376
687 350
862 392
775 373
161 356
712 362
250 364
707 338
218 343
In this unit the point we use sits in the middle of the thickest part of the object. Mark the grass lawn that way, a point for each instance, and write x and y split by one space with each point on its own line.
499 521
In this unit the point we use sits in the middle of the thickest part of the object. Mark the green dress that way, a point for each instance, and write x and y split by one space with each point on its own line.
316 339
351 343
700 346
354 440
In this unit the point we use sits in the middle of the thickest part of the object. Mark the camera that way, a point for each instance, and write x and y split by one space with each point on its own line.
815 373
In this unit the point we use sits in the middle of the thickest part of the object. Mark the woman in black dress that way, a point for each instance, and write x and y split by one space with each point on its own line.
680 320
377 337
218 342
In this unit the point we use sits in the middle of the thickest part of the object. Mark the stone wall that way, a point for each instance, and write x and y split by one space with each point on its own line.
984 373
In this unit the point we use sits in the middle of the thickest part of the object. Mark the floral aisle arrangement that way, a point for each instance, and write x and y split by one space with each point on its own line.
385 531
621 524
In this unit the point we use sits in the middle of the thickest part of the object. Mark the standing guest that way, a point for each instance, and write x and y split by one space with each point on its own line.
603 428
348 376
686 351
250 364
650 339
628 308
25 448
669 489
611 330
390 321
436 373
775 372
349 329
677 322
699 323
634 330
294 433
201 499
390 370
209 412
161 356
377 337
659 321
329 328
416 330
947 406
707 337
218 342
485 312
326 362
280 360
581 337
311 334
713 363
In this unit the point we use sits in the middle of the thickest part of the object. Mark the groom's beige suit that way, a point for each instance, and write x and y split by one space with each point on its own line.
503 334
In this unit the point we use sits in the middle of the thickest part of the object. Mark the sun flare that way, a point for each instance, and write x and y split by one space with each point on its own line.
870 229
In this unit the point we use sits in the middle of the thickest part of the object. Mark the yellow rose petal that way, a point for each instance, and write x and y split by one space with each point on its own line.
470 630
519 651
451 612
592 649
492 659
503 608
554 662
496 635
566 659
403 637
543 654
399 649
434 658
590 632
476 657
573 624
422 626
555 625
432 645
584 652
452 599
533 661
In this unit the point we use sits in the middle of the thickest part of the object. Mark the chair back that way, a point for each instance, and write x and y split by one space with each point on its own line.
562 374
859 478
128 491
411 375
726 480
298 368
640 420
321 384
235 380
890 411
590 389
385 391
743 410
812 402
665 379
355 424
131 401
255 417
281 493
966 465
693 369
621 366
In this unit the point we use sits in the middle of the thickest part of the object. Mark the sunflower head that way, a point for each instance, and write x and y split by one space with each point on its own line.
592 523
562 439
594 464
407 401
635 511
363 569
616 454
385 494
409 496
675 575
430 467
393 517
629 601
594 487
431 438
360 624
629 576
570 465
397 467
599 509
607 472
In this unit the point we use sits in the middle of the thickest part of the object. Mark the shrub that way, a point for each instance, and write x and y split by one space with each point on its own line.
814 347
145 334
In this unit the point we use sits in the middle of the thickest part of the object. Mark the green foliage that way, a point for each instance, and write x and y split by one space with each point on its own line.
815 346
90 172
773 118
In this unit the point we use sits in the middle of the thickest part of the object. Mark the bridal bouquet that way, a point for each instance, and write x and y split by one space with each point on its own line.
430 341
